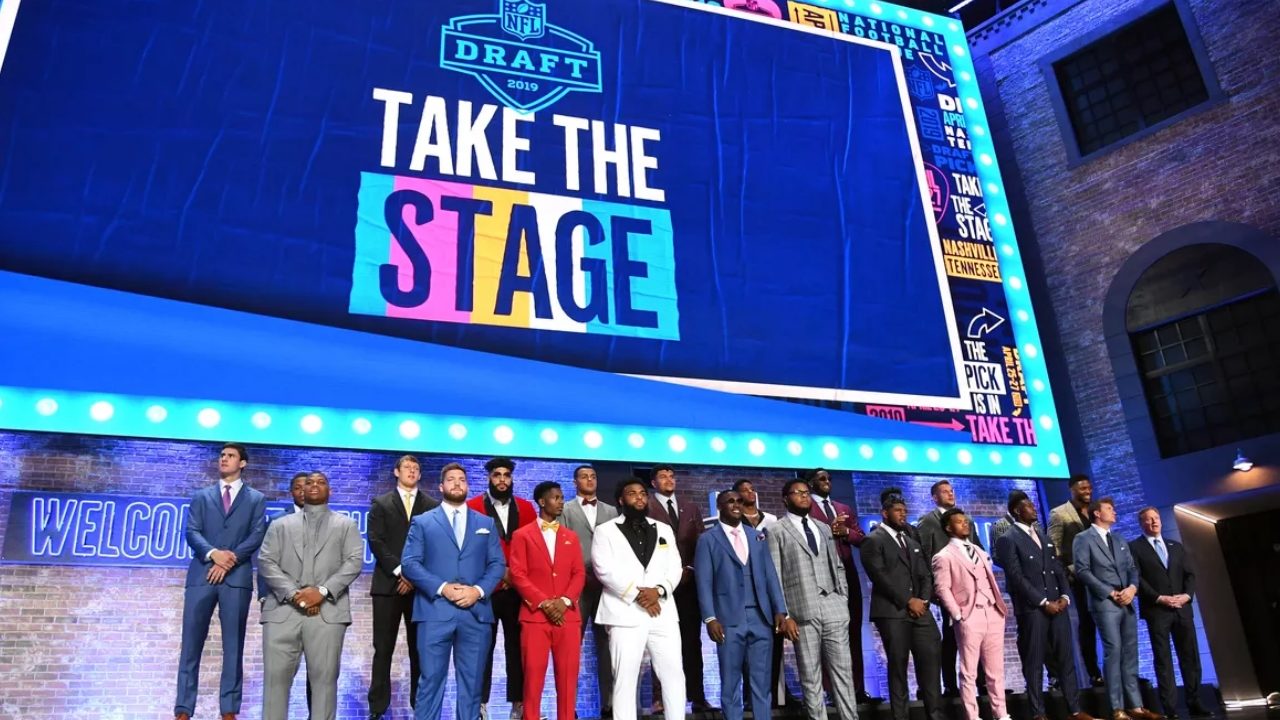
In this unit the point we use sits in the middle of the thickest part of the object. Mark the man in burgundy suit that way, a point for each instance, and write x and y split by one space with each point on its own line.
546 568
966 587
844 526
685 519
509 513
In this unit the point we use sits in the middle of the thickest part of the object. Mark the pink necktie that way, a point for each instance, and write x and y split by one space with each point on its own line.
740 545
226 499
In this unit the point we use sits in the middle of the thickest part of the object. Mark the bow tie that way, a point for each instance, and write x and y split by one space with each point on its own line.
592 502
549 525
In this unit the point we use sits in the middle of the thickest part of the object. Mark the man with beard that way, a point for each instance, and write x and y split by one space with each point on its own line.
547 571
843 522
685 519
638 564
1065 522
1006 523
752 515
297 492
508 514
389 519
1039 590
309 560
813 585
742 606
901 585
966 587
454 559
582 515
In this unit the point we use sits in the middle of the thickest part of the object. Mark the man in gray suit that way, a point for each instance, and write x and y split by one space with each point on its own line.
1105 565
582 515
309 560
813 585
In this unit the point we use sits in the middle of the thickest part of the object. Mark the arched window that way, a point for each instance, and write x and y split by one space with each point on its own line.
1204 322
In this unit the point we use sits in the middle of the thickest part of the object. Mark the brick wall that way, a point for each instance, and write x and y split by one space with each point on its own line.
110 636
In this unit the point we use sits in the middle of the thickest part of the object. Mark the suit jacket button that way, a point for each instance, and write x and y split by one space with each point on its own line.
553 574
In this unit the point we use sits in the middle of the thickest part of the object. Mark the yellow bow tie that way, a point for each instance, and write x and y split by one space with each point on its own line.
549 525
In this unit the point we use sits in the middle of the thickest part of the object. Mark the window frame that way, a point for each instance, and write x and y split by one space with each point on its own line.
1058 99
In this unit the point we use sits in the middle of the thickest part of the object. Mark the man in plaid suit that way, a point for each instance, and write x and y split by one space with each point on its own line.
813 585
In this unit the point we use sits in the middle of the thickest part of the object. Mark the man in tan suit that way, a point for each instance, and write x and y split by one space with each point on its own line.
1065 522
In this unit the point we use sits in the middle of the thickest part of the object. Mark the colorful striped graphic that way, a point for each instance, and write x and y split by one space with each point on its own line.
471 254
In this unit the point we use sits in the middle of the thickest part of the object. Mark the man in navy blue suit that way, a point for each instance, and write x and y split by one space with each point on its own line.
225 526
742 606
454 560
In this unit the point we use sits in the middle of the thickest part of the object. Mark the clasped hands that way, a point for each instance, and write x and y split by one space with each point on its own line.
464 596
1174 601
554 609
308 600
649 600
223 562
917 607
1123 597
1054 607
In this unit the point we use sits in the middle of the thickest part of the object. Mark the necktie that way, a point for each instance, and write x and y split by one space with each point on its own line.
554 525
973 554
1111 545
1163 553
902 545
671 511
826 507
226 499
740 545
808 534
1034 536
457 527
591 502
408 506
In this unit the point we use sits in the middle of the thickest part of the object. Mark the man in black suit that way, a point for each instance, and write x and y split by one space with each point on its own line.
932 539
901 585
1040 591
1166 584
389 519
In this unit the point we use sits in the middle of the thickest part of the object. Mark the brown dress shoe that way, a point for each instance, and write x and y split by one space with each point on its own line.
1120 715
1080 716
1145 714
228 716
182 716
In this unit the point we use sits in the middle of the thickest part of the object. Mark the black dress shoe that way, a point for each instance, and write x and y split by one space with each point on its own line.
376 716
1197 710
865 698
1097 681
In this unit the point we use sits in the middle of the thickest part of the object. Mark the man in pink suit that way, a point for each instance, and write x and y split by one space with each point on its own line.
966 586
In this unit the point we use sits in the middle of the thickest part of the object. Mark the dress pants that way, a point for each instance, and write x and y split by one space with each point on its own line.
1044 640
1119 629
1088 628
661 637
506 610
918 640
854 583
748 643
284 644
824 642
465 638
1181 625
686 597
588 604
980 640
198 603
388 613
564 643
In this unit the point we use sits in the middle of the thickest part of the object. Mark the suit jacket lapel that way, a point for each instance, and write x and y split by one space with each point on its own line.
442 519
790 527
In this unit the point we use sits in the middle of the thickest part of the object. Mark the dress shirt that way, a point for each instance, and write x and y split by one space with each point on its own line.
236 485
549 537
500 508
664 499
449 509
590 511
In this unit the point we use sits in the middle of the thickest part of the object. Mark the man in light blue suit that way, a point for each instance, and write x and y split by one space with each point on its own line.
742 606
454 560
1106 567
225 526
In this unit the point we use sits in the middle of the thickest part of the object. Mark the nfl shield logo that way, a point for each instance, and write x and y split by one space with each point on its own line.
526 20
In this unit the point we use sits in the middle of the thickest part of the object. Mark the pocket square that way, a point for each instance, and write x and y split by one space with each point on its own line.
482 531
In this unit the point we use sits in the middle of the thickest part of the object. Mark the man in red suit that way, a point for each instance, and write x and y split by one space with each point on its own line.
844 527
546 568
509 513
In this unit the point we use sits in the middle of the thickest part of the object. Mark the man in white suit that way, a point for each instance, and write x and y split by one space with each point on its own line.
581 515
639 567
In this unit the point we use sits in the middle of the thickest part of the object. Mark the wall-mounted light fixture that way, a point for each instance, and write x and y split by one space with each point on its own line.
1242 463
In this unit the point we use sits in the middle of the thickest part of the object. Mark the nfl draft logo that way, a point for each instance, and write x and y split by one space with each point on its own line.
524 76
525 20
